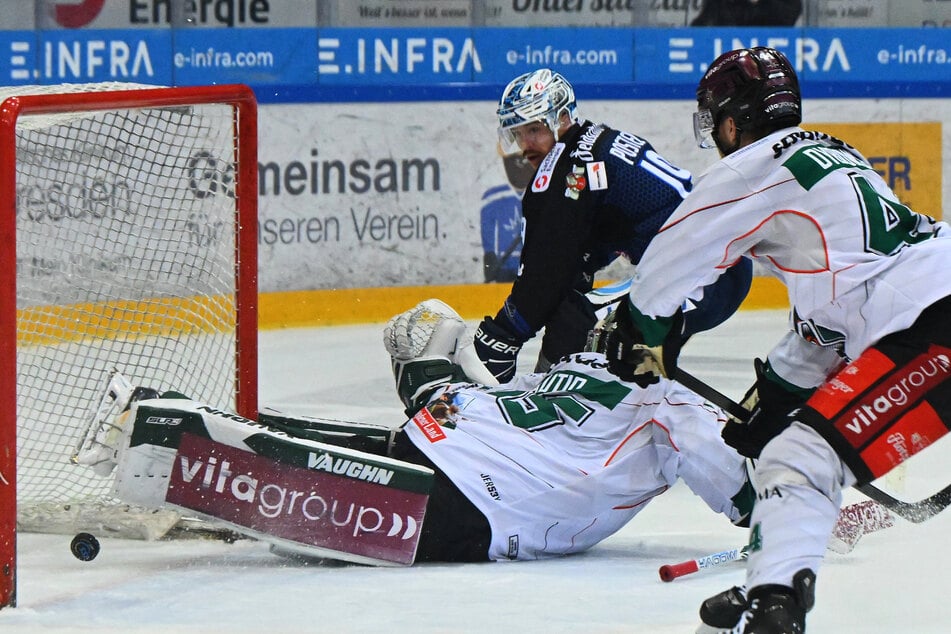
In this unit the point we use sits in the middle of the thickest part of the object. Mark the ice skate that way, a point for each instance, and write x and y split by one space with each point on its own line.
721 612
767 609
772 610
100 443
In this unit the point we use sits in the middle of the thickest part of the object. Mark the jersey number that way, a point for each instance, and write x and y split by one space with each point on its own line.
889 225
558 399
535 412
666 171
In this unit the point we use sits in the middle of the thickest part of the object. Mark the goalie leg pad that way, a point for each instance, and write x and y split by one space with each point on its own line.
303 496
367 437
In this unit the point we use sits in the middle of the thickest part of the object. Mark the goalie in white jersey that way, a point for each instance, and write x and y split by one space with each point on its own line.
546 465
859 384
557 461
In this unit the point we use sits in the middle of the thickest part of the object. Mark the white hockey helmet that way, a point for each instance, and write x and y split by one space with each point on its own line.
541 95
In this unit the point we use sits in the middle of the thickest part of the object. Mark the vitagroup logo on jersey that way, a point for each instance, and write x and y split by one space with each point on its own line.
543 177
888 402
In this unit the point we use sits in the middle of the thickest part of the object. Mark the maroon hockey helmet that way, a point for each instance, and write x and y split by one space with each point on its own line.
756 86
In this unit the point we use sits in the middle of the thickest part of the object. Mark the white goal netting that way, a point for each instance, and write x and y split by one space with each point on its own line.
126 237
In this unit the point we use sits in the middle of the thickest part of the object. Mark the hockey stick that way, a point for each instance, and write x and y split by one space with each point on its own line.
669 572
915 512
853 522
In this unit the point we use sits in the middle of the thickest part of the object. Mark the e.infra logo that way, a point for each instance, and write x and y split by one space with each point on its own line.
77 13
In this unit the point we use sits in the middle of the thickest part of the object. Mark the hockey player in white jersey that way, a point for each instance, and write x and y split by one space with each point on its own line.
546 465
859 384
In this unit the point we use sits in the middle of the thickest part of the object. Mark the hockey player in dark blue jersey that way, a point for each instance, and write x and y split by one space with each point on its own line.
597 194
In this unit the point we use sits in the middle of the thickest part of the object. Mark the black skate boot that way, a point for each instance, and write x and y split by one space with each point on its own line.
769 609
722 611
772 610
775 609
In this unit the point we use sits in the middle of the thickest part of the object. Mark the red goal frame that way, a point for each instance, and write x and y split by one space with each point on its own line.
244 105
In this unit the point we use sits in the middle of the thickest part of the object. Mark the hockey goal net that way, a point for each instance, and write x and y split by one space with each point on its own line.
134 214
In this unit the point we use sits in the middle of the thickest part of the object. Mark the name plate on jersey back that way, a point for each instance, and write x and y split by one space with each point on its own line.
312 507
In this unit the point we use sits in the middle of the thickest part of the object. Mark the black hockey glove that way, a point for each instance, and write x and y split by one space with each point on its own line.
629 358
769 404
497 349
418 379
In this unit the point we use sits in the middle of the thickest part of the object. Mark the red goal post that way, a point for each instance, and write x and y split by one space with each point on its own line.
134 214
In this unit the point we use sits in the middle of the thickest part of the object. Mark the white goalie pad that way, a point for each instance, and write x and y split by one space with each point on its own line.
432 329
99 444
302 496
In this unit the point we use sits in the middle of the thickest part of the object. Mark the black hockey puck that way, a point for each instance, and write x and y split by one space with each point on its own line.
84 547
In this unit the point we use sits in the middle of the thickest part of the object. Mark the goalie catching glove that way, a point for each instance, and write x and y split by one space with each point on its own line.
629 357
429 347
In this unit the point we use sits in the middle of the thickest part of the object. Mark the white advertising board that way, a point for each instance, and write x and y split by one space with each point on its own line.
389 194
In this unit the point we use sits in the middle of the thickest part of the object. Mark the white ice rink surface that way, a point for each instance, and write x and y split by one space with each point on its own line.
894 581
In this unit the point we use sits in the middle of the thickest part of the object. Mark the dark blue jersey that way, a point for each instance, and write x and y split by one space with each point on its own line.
599 193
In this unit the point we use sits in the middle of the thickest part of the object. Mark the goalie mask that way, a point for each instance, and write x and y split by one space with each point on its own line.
539 96
756 86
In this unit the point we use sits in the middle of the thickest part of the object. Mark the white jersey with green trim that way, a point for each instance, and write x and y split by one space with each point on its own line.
857 263
559 461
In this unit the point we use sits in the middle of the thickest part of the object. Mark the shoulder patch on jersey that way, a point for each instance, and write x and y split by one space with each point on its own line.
543 175
597 175
576 180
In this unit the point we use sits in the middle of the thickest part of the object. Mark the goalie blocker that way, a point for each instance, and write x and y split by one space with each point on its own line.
305 497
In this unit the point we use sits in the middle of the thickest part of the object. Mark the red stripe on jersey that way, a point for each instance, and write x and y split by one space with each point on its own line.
618 450
720 204
910 434
778 214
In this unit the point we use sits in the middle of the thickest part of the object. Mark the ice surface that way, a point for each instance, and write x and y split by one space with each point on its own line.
892 582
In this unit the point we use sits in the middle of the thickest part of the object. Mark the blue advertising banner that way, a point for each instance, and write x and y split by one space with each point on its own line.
826 55
247 56
77 56
18 58
586 55
322 64
397 56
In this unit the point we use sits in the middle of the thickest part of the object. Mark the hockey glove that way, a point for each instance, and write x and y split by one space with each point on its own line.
418 379
629 358
423 343
769 403
497 348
